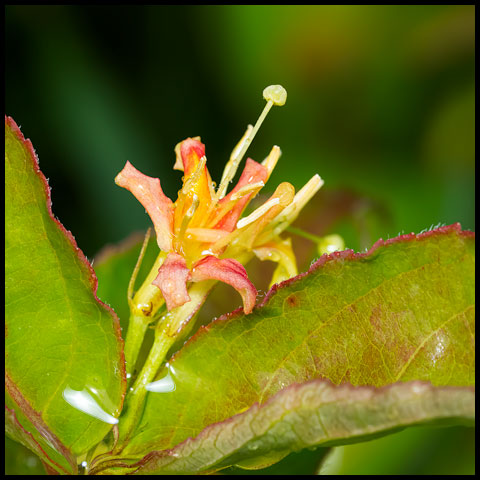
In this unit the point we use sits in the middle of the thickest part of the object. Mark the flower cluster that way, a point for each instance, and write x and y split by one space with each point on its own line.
202 233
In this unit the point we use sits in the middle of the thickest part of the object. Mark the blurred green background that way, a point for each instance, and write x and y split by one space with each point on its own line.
381 105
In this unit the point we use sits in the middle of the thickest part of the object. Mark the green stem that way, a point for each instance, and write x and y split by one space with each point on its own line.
168 330
137 395
143 307
301 233
137 326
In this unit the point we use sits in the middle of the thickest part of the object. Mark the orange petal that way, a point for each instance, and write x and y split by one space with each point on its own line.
149 193
250 227
172 280
191 151
229 271
252 173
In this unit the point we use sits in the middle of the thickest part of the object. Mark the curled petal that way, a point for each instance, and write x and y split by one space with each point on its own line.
252 173
191 151
172 280
229 271
279 251
178 155
197 181
149 193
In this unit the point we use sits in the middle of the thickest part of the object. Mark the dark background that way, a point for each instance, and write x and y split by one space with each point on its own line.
381 105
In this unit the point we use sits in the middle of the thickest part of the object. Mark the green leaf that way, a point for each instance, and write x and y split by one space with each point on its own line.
60 339
402 311
305 462
314 413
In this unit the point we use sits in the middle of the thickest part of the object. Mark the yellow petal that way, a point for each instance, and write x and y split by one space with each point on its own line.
279 251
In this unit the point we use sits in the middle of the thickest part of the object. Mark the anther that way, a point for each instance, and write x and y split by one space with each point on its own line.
302 197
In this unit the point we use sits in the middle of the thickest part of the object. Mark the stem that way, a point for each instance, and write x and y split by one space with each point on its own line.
301 233
137 327
149 298
143 307
131 283
168 330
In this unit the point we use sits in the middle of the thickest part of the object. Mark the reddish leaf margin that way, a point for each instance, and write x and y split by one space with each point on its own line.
33 416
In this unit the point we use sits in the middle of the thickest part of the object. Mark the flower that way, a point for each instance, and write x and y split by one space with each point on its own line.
202 233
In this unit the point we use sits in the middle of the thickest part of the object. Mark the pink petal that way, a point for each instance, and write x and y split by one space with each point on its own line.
229 271
252 173
149 193
172 280
191 151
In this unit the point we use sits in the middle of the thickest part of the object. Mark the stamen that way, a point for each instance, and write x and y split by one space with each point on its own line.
258 212
271 161
303 196
275 95
223 208
239 146
186 219
206 235
246 189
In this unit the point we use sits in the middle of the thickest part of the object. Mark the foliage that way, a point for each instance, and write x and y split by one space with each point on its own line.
361 345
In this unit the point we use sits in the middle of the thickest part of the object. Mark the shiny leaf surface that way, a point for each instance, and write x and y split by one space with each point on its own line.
65 377
314 413
402 311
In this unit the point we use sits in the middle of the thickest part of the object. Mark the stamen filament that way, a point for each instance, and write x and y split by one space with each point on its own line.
224 208
243 222
241 192
206 234
271 161
290 213
301 199
187 218
237 155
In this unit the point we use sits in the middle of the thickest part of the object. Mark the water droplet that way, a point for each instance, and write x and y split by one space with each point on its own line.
129 375
83 401
84 464
164 385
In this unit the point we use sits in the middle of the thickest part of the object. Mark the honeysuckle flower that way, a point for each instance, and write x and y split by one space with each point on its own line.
202 233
